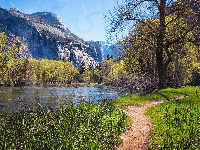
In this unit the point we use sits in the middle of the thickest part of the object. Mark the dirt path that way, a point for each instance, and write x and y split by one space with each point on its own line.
138 136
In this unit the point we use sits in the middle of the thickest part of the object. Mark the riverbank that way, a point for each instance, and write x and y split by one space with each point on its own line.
84 126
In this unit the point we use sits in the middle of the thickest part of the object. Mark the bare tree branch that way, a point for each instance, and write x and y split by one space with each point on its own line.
143 22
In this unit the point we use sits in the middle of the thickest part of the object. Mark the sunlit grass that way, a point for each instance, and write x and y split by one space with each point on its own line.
164 94
176 124
170 93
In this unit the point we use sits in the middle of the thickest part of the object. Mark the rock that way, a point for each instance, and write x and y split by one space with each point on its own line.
47 37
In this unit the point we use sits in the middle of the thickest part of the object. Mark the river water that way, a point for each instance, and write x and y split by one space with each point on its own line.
19 98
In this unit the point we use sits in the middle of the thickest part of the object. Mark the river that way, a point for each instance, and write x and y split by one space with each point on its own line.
20 98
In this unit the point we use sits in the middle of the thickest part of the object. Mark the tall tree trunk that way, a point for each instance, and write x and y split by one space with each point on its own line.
162 70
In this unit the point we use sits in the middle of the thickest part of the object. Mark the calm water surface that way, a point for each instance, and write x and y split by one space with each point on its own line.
19 98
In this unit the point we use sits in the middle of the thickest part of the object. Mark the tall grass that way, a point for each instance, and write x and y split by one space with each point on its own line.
74 127
176 124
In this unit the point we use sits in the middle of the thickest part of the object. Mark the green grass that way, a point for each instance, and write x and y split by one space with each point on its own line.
176 124
74 127
164 94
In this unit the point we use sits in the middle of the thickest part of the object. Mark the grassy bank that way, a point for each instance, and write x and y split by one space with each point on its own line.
164 94
176 124
90 126
74 127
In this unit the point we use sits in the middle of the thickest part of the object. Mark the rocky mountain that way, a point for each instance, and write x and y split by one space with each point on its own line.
47 37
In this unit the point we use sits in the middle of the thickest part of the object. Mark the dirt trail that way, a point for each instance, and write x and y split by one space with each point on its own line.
138 136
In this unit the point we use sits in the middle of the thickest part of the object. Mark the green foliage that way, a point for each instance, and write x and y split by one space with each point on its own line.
12 67
180 54
3 40
176 124
196 67
163 48
51 71
112 71
73 127
16 71
96 75
117 72
105 68
164 94
89 74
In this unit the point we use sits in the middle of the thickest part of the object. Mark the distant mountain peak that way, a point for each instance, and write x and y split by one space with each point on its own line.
51 17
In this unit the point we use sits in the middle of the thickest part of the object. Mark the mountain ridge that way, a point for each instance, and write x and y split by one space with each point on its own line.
48 37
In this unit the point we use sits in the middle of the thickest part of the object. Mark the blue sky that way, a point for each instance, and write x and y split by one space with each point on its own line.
83 17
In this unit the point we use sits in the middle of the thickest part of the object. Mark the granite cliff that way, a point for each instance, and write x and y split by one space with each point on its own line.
47 37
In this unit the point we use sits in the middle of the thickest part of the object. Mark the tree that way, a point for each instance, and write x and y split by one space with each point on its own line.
116 73
139 14
140 54
43 71
13 69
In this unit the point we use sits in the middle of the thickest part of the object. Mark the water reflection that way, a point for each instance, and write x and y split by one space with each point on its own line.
16 98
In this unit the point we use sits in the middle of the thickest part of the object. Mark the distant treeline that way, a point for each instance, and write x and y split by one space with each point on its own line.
30 72
17 71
